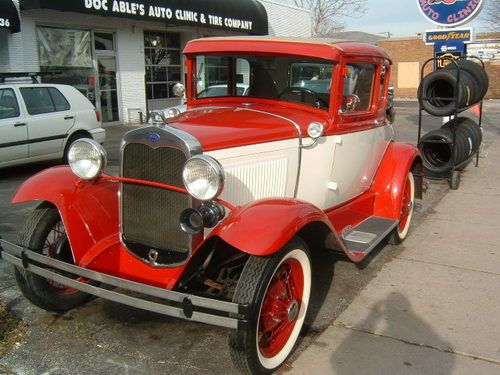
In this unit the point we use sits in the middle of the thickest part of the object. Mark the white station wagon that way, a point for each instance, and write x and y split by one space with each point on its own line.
40 121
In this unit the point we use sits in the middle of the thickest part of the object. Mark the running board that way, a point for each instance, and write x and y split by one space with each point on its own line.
363 238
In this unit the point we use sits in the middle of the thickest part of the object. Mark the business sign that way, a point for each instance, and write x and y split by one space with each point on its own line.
486 50
450 12
9 17
451 43
246 16
449 36
443 58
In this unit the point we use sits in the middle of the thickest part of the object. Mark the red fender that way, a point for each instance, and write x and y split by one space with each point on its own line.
391 177
89 210
263 227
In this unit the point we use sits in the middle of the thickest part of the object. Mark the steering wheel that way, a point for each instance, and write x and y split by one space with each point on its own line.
304 91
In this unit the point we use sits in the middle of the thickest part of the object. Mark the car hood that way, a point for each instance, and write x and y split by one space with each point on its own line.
233 126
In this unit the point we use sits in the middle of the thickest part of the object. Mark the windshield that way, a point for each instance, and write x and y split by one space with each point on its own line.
296 79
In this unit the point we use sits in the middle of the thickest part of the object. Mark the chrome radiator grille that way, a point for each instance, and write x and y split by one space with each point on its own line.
150 216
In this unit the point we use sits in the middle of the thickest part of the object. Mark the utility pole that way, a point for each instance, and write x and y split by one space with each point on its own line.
388 33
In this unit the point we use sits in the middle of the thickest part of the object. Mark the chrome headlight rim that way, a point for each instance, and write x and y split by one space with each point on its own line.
101 159
172 112
215 166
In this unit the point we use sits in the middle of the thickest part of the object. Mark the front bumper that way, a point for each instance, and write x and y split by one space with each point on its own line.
176 304
98 134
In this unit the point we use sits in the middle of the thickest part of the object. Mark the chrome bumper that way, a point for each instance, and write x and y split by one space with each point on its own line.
179 305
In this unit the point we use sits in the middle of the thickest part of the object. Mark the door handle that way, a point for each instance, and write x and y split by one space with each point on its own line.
69 117
18 124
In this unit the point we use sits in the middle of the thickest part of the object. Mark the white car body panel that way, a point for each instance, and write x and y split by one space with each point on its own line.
248 169
362 152
46 135
10 133
331 185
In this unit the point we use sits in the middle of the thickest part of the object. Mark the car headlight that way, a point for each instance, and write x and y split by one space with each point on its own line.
172 112
156 117
203 177
87 158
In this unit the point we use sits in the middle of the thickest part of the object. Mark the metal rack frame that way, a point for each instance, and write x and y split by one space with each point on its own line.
454 173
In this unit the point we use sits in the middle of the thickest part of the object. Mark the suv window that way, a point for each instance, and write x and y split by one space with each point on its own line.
43 100
358 87
8 104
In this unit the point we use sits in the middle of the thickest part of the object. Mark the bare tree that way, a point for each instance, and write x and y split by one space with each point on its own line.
491 14
328 15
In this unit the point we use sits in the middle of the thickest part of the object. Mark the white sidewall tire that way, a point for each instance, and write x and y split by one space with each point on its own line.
402 234
274 362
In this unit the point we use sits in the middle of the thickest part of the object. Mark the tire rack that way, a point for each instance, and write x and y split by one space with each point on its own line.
454 173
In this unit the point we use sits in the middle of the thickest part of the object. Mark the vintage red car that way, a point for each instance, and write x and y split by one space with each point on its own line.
217 213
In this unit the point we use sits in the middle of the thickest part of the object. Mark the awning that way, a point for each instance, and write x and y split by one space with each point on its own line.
248 16
9 16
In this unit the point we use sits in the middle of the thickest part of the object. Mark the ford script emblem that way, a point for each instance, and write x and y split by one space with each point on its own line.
153 137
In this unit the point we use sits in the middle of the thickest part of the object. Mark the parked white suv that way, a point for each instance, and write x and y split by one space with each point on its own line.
40 121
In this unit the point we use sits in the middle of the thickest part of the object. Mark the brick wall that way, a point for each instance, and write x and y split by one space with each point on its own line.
414 50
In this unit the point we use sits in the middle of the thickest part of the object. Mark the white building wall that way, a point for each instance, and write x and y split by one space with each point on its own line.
131 70
287 20
4 51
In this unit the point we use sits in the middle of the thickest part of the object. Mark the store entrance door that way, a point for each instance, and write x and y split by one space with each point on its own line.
107 93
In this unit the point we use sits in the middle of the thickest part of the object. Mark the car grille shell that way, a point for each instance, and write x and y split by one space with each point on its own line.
150 215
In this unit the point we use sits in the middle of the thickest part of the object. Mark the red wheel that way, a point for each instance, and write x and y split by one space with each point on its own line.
406 211
278 289
45 233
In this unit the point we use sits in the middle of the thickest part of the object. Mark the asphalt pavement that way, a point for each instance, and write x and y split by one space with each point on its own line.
421 302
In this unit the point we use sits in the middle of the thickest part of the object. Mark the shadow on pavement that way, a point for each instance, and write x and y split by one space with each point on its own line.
386 351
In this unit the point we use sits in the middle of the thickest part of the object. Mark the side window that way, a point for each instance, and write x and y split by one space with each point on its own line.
358 87
37 100
8 104
60 101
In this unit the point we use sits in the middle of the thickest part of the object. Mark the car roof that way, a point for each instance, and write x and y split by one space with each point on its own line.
326 48
26 84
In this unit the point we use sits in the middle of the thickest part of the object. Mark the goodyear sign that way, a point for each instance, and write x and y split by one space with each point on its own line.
449 36
450 12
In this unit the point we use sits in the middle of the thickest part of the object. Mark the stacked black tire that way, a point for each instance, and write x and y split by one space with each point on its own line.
447 92
436 146
438 90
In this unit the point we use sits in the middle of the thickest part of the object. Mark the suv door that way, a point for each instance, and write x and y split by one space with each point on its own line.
13 130
50 119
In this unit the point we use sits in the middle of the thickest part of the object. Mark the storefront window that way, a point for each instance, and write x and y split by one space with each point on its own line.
163 63
104 42
64 48
68 53
72 57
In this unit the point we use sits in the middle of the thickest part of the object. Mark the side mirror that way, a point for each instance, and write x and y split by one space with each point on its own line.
351 102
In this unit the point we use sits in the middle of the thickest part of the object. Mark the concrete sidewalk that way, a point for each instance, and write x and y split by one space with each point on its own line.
434 309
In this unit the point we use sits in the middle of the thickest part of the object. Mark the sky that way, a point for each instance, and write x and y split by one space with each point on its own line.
399 17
